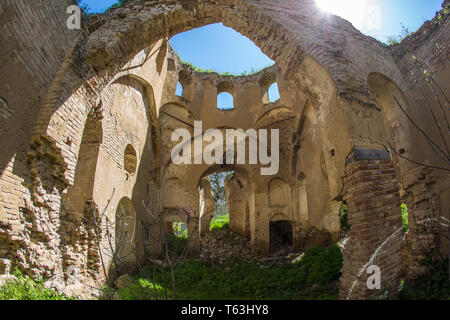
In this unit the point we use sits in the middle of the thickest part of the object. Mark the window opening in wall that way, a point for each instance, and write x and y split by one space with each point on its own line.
179 91
180 230
273 93
225 101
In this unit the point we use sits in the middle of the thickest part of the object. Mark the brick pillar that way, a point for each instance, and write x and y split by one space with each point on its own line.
373 199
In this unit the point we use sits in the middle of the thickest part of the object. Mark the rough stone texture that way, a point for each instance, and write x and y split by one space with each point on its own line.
72 103
124 281
4 278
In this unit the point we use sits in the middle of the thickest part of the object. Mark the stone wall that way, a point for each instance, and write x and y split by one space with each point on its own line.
112 86
424 188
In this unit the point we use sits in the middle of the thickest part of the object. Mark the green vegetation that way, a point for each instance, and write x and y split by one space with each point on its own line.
220 222
434 286
445 11
180 229
226 74
25 288
404 218
439 18
394 40
344 219
142 289
314 277
119 4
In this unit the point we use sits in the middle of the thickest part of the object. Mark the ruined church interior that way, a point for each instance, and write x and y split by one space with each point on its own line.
90 191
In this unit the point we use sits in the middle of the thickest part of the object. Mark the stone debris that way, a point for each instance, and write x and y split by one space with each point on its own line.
124 281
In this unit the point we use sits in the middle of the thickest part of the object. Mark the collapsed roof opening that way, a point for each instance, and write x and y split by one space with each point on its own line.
220 49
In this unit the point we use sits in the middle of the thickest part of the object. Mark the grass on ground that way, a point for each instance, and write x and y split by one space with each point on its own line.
314 277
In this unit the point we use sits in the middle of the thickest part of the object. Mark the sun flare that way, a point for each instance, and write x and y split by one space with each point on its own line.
356 11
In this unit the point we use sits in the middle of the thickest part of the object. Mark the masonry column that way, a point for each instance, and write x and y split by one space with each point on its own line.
373 199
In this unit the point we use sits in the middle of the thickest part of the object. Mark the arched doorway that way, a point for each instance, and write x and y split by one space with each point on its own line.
281 235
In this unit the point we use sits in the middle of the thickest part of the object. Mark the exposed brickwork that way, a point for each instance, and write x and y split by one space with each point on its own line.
373 199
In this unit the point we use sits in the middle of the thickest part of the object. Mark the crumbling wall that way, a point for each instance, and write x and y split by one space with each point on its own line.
33 47
323 62
425 190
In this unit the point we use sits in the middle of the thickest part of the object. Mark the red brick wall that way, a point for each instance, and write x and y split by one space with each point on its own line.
372 196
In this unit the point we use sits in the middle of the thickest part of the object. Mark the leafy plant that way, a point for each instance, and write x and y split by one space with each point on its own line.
445 11
25 288
314 277
220 222
404 217
433 286
344 219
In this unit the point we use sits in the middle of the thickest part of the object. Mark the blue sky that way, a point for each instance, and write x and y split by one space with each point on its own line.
222 49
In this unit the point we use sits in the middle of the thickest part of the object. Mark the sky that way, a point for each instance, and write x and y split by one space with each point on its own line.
222 49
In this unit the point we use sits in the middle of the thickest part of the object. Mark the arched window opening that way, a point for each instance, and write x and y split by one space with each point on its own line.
225 101
179 91
273 94
125 234
302 198
180 230
130 159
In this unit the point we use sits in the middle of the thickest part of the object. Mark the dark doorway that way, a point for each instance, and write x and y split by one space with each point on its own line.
280 237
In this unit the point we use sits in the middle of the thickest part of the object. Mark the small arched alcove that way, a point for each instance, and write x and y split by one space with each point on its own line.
130 160
125 237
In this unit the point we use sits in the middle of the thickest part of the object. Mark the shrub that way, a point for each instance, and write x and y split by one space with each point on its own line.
404 217
344 219
220 222
25 288
434 286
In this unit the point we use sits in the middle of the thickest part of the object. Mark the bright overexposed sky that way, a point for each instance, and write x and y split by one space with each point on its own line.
222 49
382 19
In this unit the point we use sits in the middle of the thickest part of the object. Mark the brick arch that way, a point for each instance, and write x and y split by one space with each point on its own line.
101 54
104 49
